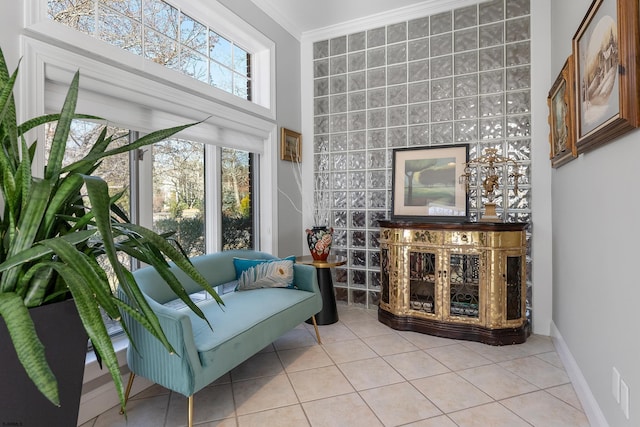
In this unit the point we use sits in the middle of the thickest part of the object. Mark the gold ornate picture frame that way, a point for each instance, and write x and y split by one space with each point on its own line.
290 145
561 102
606 73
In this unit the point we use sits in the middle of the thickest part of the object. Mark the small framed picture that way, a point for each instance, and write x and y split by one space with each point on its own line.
561 102
290 145
426 184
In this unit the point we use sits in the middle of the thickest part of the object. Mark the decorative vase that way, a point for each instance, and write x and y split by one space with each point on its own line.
319 240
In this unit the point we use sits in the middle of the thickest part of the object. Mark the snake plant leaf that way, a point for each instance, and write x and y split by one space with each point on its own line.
49 118
28 346
63 128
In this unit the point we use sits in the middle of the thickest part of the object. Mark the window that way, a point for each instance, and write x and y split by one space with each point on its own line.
162 33
237 209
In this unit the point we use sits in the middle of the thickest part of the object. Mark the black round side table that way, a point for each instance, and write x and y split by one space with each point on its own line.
329 312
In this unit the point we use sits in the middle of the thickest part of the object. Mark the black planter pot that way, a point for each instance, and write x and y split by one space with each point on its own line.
21 403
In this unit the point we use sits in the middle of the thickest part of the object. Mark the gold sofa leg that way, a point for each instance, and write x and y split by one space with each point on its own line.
315 326
190 410
127 391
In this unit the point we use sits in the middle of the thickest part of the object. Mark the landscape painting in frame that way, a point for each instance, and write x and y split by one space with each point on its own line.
604 47
426 183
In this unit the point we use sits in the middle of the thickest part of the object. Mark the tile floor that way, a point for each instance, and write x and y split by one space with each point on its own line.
366 374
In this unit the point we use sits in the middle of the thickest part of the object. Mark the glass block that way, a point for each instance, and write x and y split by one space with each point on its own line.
357 181
397 137
374 256
357 100
320 68
517 8
518 30
518 102
358 278
397 74
519 126
357 140
377 199
519 149
339 202
396 53
321 106
339 238
376 138
377 179
376 57
321 87
376 118
321 124
418 92
442 111
525 170
339 103
357 81
491 58
397 116
338 45
357 120
338 142
359 220
418 28
340 219
376 37
376 77
492 128
374 217
397 95
418 70
374 296
357 41
520 217
338 84
339 181
338 64
466 130
339 162
492 34
320 144
397 32
376 98
357 61
441 44
466 62
441 23
419 135
465 17
465 85
357 160
441 66
342 294
465 40
491 105
442 88
519 200
518 53
491 11
518 78
357 199
466 108
321 49
419 113
338 123
321 162
418 49
442 133
492 82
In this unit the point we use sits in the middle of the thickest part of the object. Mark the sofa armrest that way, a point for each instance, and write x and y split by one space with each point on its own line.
305 278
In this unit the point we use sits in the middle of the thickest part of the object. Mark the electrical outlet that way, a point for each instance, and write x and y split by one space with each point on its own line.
624 398
615 385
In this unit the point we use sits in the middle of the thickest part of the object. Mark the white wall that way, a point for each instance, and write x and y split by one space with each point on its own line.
595 248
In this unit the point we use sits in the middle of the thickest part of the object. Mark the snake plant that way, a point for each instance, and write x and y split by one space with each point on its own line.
54 226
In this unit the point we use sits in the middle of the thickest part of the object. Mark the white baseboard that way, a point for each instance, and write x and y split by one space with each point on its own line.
589 404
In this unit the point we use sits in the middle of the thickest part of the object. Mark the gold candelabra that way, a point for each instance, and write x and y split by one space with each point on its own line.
494 169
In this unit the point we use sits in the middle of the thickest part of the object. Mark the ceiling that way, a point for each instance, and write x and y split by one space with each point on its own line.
301 16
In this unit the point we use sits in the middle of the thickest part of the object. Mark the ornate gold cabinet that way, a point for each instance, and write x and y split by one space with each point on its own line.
462 280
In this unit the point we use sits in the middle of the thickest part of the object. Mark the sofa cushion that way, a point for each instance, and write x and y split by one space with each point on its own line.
264 273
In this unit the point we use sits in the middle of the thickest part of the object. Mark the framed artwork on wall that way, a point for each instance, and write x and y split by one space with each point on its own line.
290 145
561 102
426 183
604 49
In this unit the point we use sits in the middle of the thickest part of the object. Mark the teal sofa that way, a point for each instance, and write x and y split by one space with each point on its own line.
249 321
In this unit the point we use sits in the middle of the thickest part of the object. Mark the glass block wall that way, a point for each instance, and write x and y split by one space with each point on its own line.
461 76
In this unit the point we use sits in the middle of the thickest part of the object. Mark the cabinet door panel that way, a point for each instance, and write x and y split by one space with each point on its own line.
422 282
464 285
514 287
